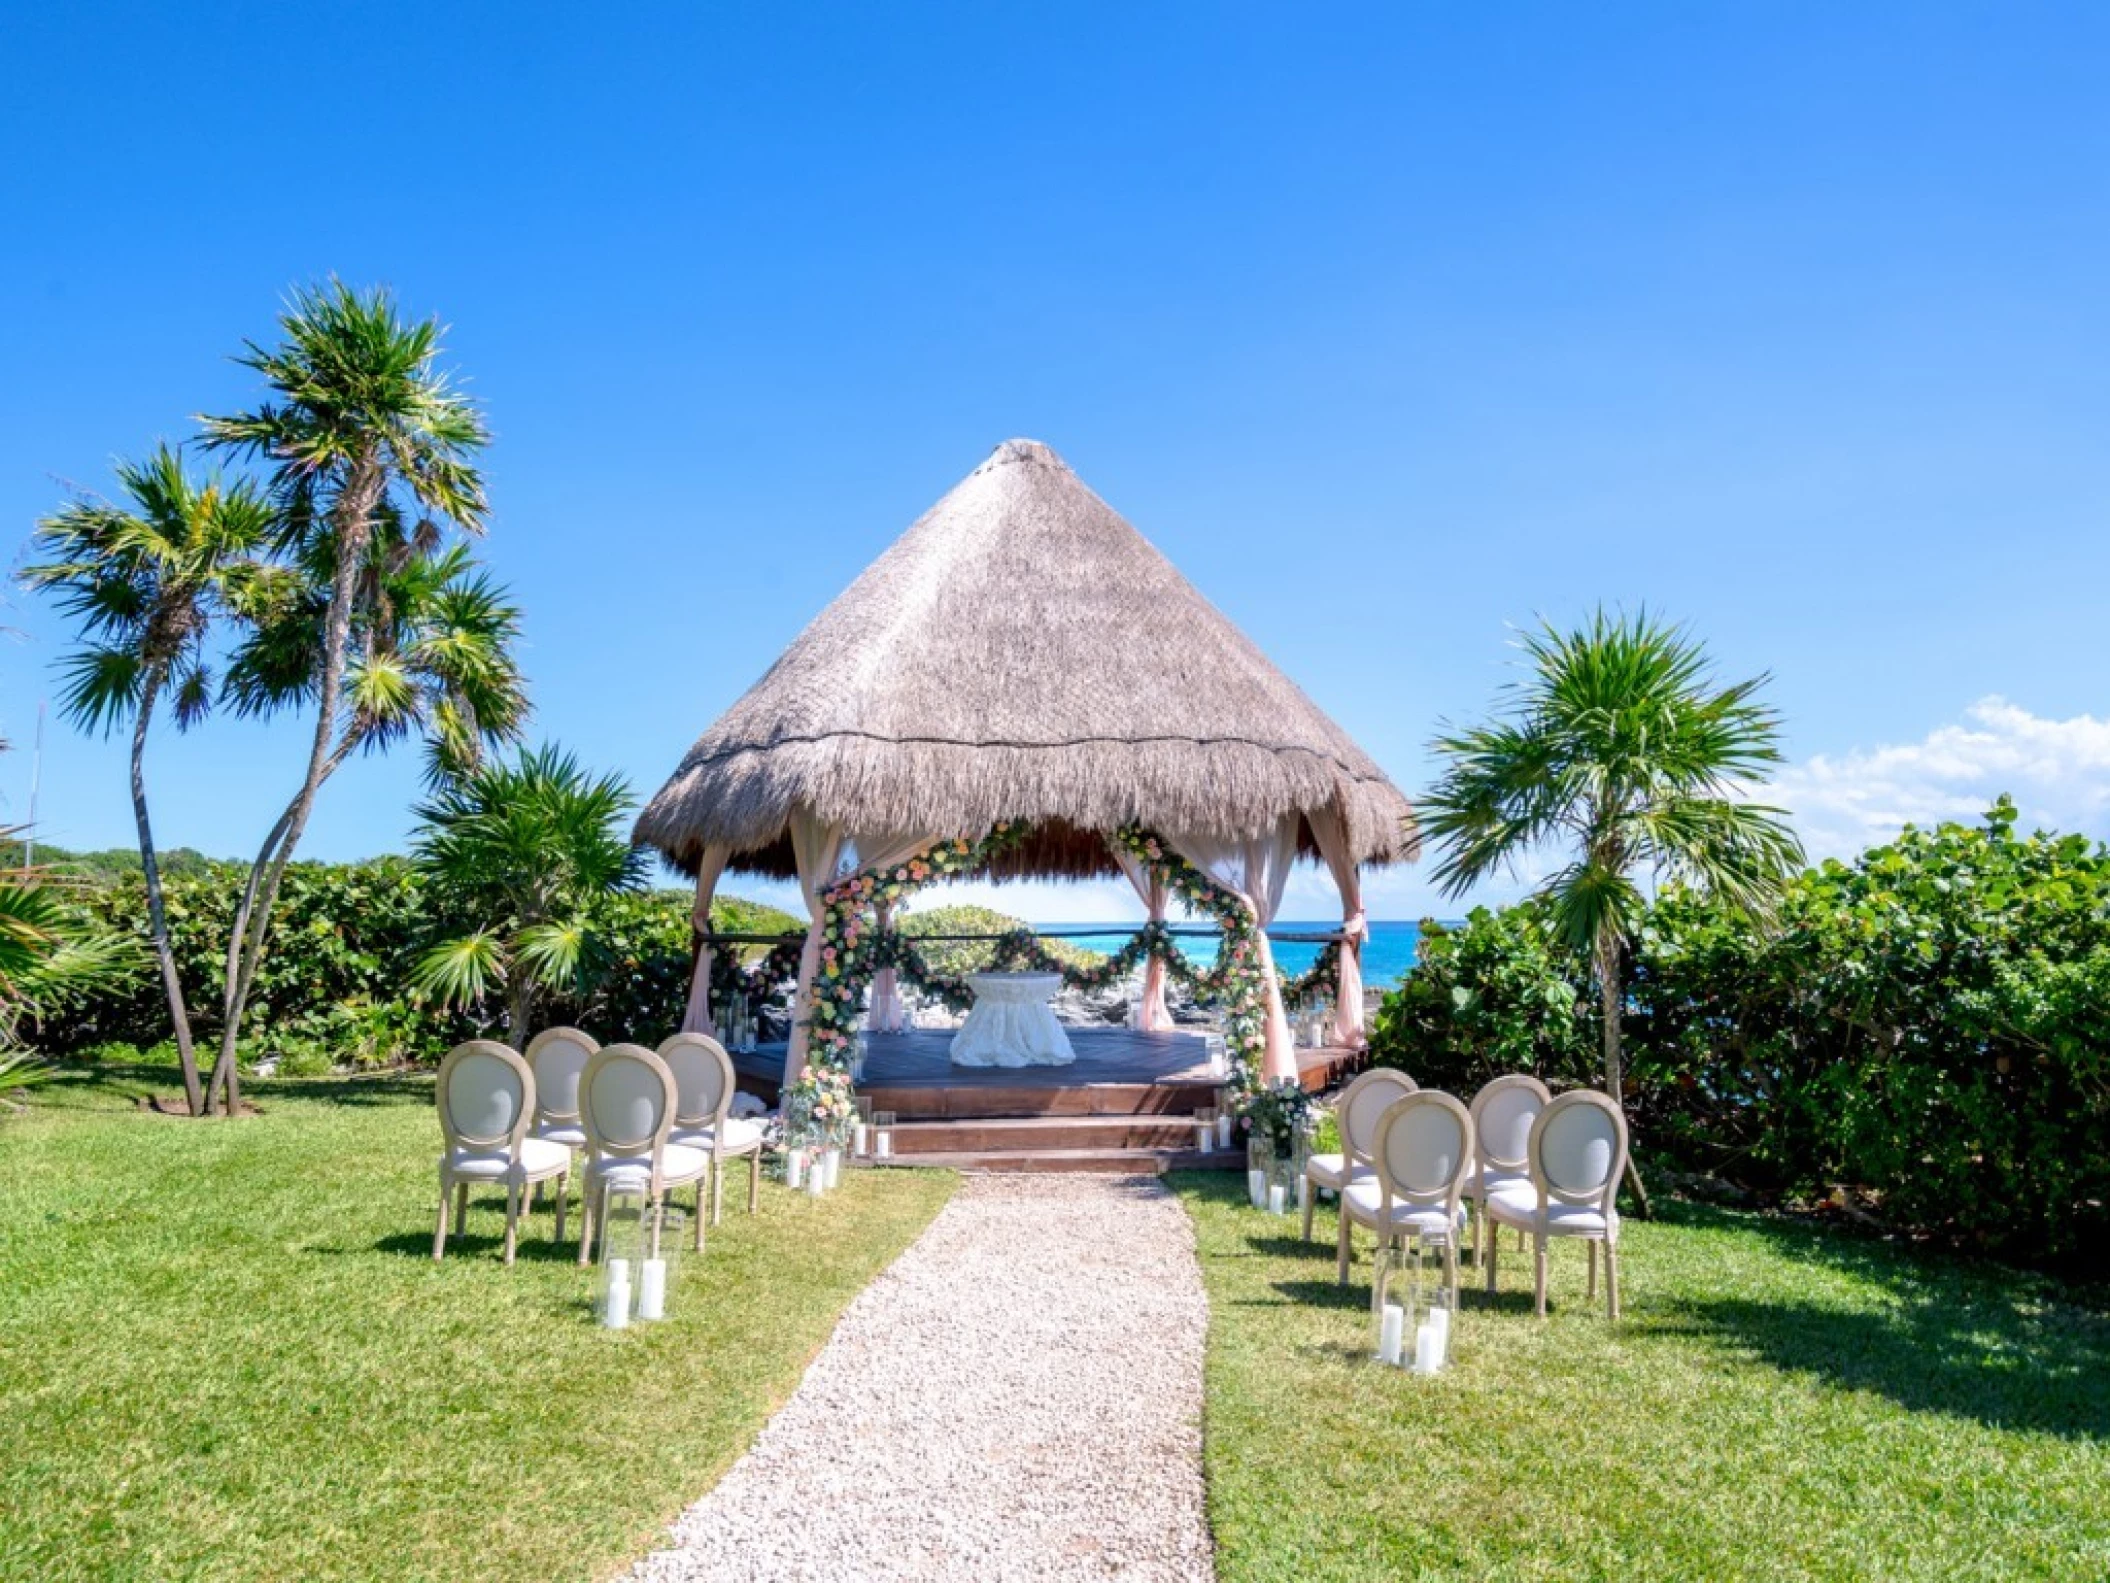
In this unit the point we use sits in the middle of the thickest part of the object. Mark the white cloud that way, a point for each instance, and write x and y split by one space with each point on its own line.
2058 772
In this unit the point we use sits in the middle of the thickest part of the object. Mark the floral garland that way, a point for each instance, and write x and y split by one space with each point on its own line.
854 947
1234 983
1021 948
1323 974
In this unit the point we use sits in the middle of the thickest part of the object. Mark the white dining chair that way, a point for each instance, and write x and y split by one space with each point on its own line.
703 1087
486 1099
1355 1116
1577 1154
1503 1112
1419 1160
627 1101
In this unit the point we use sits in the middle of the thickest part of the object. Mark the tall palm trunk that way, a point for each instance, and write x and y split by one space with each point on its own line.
157 910
1611 987
353 520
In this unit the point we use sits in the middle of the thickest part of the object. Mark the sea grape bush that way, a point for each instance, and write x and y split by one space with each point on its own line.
1929 1023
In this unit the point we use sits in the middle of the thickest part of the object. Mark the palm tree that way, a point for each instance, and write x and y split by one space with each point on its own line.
360 421
51 955
531 847
1619 747
146 579
432 656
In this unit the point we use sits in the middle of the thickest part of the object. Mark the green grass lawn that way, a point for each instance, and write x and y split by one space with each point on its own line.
225 1351
1779 1402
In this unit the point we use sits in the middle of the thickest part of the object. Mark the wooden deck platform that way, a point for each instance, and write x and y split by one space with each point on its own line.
1124 1105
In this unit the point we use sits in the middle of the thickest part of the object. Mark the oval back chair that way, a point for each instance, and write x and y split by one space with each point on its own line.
627 1101
1577 1155
559 1057
1503 1112
1355 1117
705 1083
486 1098
1419 1161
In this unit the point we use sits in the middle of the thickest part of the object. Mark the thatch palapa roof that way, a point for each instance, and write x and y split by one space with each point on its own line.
1021 653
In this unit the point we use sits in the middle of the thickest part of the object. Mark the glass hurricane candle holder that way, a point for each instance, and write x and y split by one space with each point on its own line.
625 1232
1259 1165
883 1134
1395 1301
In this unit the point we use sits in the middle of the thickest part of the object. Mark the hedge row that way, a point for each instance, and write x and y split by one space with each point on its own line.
1928 1025
331 990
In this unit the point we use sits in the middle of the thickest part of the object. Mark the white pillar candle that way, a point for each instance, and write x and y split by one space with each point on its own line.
1256 1187
1223 1132
857 1139
886 1144
816 1179
833 1160
1425 1349
1274 1198
795 1168
652 1289
1392 1334
1440 1323
616 1314
1204 1135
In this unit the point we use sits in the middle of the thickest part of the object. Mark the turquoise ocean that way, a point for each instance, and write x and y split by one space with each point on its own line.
1388 955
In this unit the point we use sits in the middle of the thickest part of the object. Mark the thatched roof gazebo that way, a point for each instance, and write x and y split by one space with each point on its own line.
1023 655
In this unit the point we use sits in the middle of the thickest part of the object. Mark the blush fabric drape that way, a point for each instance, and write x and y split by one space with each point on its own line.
709 869
1255 869
1330 830
1155 1016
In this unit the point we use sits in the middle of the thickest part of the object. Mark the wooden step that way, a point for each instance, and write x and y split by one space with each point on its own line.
926 1102
999 1134
1100 1162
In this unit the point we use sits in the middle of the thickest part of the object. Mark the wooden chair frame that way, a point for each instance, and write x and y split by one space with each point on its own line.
1355 1151
1443 1197
516 1178
1520 1166
715 1119
604 1154
1603 1198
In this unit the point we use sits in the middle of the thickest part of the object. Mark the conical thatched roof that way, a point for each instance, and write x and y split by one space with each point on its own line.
1021 653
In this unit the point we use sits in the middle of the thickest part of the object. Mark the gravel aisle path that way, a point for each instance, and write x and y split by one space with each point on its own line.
1018 1396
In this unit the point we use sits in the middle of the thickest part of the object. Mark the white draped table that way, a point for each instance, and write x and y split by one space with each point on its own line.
1011 1023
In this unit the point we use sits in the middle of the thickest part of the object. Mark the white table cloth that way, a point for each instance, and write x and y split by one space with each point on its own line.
1011 1023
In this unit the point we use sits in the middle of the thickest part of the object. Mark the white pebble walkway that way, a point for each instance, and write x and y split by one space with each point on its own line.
1018 1396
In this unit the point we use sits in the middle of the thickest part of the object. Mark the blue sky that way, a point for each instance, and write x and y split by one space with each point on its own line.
1392 326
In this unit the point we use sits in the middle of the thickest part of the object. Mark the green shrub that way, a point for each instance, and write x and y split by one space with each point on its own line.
1930 1024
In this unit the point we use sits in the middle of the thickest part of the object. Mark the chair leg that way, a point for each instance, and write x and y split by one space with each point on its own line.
461 1208
717 1193
585 1223
1540 1244
754 1179
699 1217
1590 1290
1611 1278
1450 1269
1311 1202
1380 1277
1479 1231
563 1192
439 1237
1494 1256
512 1219
1341 1246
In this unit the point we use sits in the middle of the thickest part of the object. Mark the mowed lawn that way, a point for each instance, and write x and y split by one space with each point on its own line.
225 1351
1779 1402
